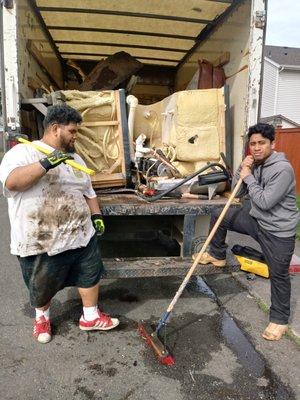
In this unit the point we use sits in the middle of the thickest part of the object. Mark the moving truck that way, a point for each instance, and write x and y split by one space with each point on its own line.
49 47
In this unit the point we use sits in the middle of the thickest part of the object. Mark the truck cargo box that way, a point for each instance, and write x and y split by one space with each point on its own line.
181 49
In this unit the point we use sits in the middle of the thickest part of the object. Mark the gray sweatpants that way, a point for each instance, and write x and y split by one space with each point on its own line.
277 251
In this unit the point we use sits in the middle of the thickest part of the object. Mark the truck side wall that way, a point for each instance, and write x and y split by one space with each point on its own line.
233 35
30 71
10 67
22 72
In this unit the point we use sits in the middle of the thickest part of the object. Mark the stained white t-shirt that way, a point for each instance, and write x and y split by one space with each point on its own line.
52 216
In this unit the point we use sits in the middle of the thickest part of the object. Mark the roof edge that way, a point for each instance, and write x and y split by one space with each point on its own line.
265 119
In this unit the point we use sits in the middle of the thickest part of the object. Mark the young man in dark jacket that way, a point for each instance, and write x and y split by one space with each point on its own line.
270 218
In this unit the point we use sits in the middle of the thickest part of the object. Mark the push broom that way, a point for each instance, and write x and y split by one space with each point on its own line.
153 337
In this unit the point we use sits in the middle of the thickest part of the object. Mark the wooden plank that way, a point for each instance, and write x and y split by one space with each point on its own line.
79 70
102 181
41 108
38 100
100 123
111 71
32 83
110 184
38 84
36 54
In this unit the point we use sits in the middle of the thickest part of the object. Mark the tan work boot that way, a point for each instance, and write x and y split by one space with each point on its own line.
274 331
208 259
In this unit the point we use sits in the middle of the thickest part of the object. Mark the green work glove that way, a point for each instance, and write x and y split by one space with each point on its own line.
98 223
54 159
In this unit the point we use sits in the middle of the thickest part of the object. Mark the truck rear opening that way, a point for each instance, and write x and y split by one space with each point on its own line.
164 51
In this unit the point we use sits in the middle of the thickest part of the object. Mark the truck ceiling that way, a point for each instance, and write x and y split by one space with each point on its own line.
154 32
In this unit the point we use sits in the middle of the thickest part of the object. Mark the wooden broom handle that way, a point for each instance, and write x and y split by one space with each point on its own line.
204 247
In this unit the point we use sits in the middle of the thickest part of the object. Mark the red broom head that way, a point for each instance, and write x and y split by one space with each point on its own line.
167 360
154 342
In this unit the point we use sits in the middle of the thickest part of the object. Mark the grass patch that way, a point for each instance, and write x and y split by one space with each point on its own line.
292 336
262 305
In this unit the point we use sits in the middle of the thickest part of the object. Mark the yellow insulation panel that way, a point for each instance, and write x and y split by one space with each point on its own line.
188 124
98 141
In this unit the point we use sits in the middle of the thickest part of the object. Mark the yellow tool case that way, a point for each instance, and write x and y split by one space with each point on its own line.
251 260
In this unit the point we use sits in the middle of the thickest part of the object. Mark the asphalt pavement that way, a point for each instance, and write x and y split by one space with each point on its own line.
214 335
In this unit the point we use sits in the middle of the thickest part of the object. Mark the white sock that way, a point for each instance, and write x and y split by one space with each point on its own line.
90 313
40 313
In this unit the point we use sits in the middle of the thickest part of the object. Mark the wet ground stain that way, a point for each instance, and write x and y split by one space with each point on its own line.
129 298
128 394
120 294
200 340
88 394
196 340
126 324
101 369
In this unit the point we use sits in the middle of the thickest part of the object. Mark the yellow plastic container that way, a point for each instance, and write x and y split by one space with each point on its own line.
255 267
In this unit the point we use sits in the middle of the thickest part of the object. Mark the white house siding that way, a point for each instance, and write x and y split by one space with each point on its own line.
288 100
269 90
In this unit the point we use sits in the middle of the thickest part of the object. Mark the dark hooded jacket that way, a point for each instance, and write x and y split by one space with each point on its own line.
271 189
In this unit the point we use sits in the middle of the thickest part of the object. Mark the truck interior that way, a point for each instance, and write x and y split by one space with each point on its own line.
58 46
161 35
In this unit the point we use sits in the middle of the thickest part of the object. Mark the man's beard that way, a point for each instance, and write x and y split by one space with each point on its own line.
68 147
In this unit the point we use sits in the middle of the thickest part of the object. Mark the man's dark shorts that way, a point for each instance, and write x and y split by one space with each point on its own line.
45 275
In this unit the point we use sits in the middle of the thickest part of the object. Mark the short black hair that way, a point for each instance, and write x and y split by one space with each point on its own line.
61 114
266 130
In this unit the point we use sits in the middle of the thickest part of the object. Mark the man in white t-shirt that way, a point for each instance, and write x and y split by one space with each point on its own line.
54 215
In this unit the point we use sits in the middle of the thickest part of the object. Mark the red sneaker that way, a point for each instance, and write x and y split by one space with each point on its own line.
42 330
102 323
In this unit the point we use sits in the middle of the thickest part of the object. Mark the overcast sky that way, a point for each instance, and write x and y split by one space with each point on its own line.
283 27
